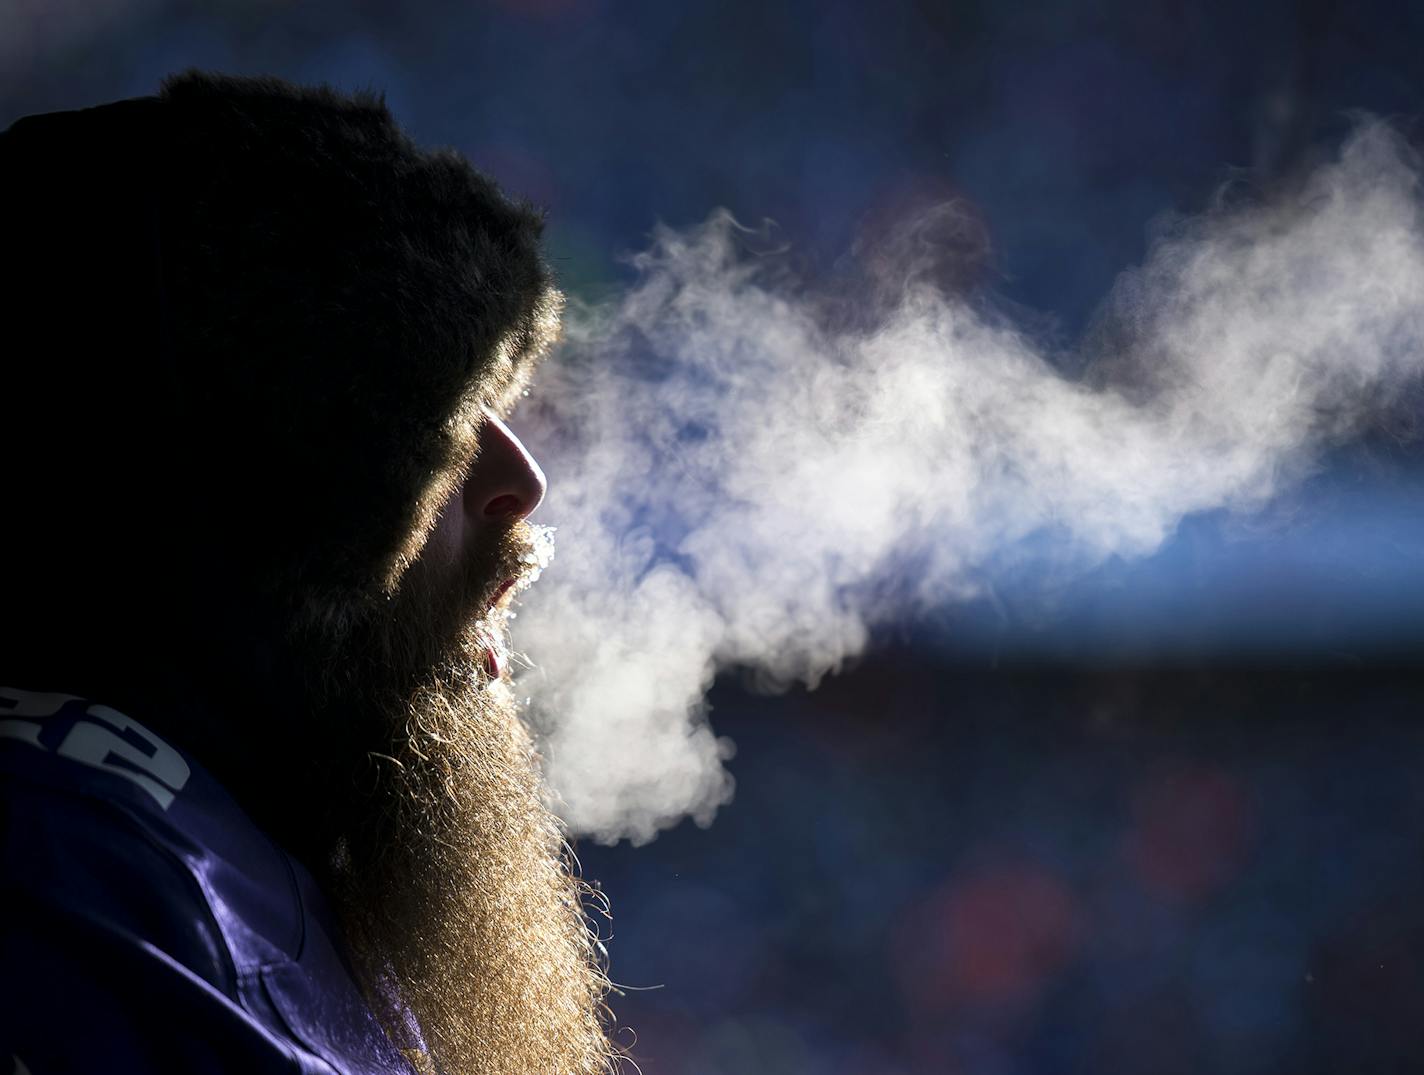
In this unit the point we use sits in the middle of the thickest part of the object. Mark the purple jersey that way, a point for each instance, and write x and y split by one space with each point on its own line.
148 924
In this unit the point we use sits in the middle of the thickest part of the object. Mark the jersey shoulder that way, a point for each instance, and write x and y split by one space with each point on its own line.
77 782
135 888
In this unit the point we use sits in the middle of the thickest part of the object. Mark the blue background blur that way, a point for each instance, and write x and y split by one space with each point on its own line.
1172 825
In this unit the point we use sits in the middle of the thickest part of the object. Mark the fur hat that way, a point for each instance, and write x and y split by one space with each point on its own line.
255 330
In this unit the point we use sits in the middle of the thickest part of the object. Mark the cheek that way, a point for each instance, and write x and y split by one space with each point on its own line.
448 537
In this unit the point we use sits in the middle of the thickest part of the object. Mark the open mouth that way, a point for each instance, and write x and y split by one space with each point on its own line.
494 647
504 588
529 565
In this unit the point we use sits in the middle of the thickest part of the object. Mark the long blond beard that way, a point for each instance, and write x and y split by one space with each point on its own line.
452 878
464 905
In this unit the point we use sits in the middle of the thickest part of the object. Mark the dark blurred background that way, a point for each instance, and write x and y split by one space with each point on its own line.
1169 824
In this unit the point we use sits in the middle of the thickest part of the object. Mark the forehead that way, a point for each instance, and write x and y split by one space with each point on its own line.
510 366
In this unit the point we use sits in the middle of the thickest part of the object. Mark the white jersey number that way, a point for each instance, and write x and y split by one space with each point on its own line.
103 738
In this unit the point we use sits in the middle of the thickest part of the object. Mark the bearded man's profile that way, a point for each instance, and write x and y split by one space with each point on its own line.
268 801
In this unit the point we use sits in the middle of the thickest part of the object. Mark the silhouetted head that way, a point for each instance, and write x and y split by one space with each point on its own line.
259 493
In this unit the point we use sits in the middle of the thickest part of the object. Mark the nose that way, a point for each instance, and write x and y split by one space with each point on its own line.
505 481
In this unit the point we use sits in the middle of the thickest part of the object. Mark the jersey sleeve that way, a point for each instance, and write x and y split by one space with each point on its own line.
82 995
110 960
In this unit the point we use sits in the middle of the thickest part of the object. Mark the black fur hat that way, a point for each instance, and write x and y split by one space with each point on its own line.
245 359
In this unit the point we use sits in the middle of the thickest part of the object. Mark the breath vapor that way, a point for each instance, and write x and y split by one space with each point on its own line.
736 474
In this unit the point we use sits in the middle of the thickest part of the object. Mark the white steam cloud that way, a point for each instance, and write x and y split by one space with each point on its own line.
735 482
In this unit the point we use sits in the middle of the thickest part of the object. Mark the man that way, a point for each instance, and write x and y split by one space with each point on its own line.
268 804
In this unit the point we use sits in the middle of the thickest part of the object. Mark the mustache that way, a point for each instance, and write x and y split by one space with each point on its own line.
514 563
524 551
436 609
